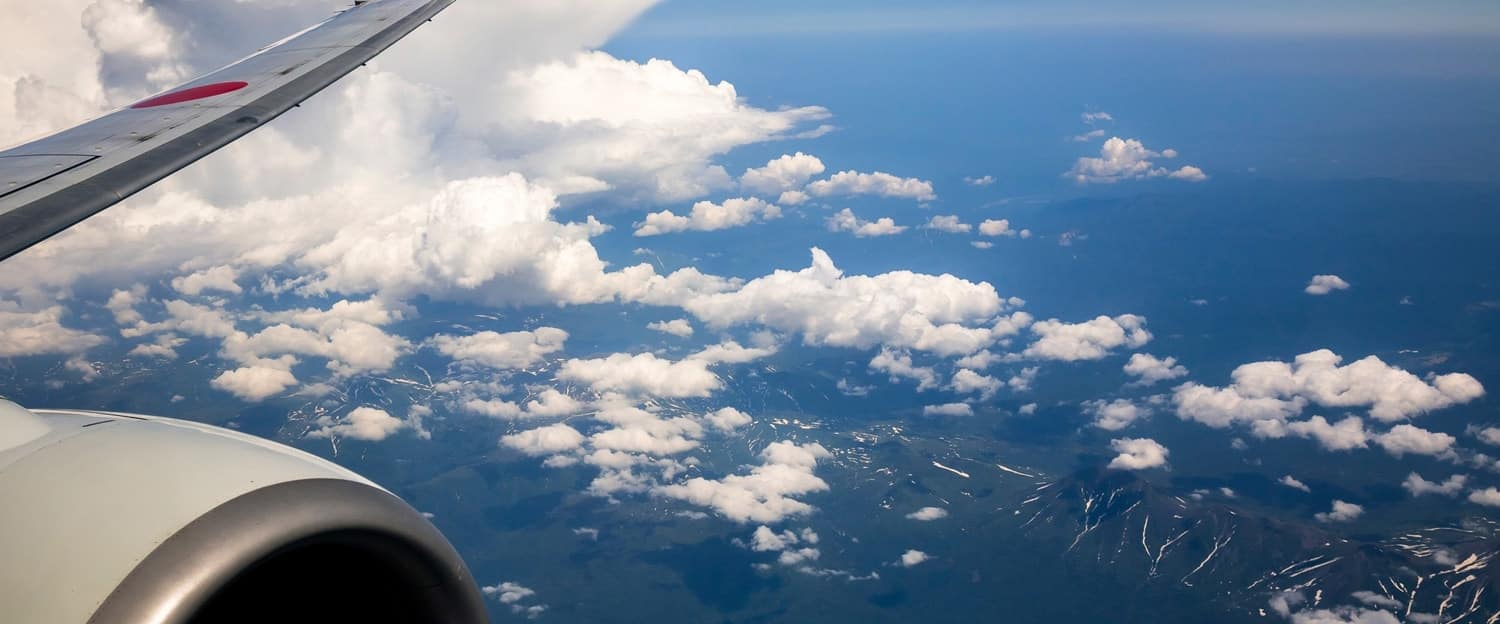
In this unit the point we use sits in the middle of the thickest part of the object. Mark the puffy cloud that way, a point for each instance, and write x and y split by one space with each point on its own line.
901 309
515 350
1344 615
928 514
255 383
731 352
1403 439
980 181
1488 435
489 240
364 423
1148 369
1021 382
1283 603
187 318
766 540
914 558
1341 512
793 198
979 361
845 221
1347 434
639 431
643 374
878 183
134 43
508 592
1128 159
966 381
981 244
548 440
165 347
996 227
494 408
1295 484
764 495
1222 407
1090 340
948 223
786 543
948 409
51 78
900 366
849 389
1489 497
787 173
1266 394
648 127
1137 454
1324 284
1188 173
676 327
727 419
220 278
1418 486
1116 415
40 332
551 403
514 594
1097 133
351 345
708 217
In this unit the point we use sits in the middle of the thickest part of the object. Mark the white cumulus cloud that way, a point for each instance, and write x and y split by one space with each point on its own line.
363 423
1128 159
939 314
643 374
948 223
846 221
1489 497
928 514
1116 415
790 172
877 183
1324 284
676 327
1090 340
1342 512
948 409
547 440
764 495
708 216
914 557
1294 483
1149 369
1266 394
1417 486
1138 454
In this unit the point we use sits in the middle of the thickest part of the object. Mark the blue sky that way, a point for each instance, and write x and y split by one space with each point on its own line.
968 102
721 17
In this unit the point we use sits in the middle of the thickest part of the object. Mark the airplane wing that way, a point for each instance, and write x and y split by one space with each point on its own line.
49 185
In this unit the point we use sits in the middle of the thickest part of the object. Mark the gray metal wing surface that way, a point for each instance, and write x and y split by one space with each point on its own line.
50 184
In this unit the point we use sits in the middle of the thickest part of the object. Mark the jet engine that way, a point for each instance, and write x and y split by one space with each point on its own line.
118 518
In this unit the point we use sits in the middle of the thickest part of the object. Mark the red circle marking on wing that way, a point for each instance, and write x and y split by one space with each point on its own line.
192 93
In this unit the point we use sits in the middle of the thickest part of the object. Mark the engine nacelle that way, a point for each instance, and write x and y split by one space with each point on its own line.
108 518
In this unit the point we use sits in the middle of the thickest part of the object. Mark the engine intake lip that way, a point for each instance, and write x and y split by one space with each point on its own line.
370 531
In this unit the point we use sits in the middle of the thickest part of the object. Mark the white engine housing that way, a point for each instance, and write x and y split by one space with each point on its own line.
110 517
